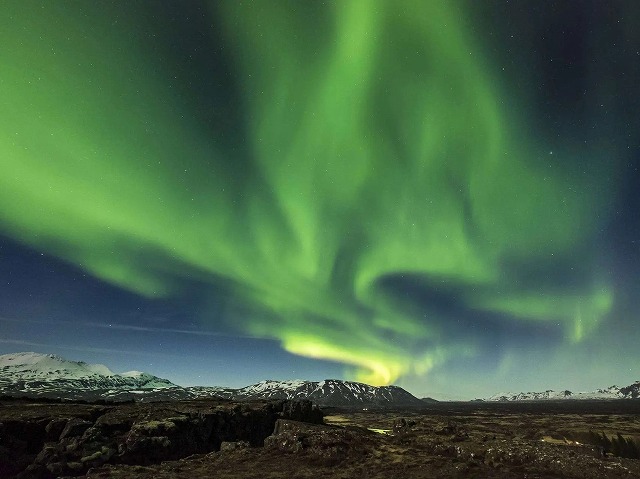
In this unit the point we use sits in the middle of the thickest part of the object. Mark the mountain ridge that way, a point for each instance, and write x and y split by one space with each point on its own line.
330 392
610 393
38 375
46 375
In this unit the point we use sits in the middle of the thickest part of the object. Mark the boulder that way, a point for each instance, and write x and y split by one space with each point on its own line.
55 427
233 445
402 425
75 427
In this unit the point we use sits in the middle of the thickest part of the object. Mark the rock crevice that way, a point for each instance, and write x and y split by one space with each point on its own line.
68 440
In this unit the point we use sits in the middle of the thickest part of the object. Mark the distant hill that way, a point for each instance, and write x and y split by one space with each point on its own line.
613 392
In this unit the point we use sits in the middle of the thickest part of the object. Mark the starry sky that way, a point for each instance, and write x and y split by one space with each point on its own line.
441 195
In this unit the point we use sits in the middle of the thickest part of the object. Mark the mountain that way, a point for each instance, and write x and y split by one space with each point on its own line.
330 393
612 392
49 376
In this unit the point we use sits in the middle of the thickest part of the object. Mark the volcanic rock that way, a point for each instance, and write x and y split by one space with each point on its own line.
80 437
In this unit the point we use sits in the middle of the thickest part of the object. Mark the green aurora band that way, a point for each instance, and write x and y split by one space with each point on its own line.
376 146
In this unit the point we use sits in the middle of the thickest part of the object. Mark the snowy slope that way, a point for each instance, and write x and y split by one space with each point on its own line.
47 366
612 392
331 392
48 375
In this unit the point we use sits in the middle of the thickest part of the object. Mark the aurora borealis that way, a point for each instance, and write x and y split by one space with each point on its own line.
400 189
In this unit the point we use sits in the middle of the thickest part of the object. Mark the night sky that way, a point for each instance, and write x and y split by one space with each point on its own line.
442 195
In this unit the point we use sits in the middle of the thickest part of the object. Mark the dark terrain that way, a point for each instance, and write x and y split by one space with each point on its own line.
290 439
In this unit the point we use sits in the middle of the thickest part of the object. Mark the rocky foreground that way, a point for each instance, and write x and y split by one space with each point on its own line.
46 440
292 439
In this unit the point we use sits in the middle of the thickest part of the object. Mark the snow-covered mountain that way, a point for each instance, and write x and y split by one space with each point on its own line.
612 392
46 375
50 376
29 366
330 392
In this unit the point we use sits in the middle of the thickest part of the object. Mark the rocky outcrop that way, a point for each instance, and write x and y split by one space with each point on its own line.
54 440
454 440
322 444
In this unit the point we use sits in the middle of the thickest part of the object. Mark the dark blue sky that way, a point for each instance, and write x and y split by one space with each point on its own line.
441 195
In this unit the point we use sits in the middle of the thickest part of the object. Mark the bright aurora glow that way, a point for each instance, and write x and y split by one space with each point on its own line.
409 190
